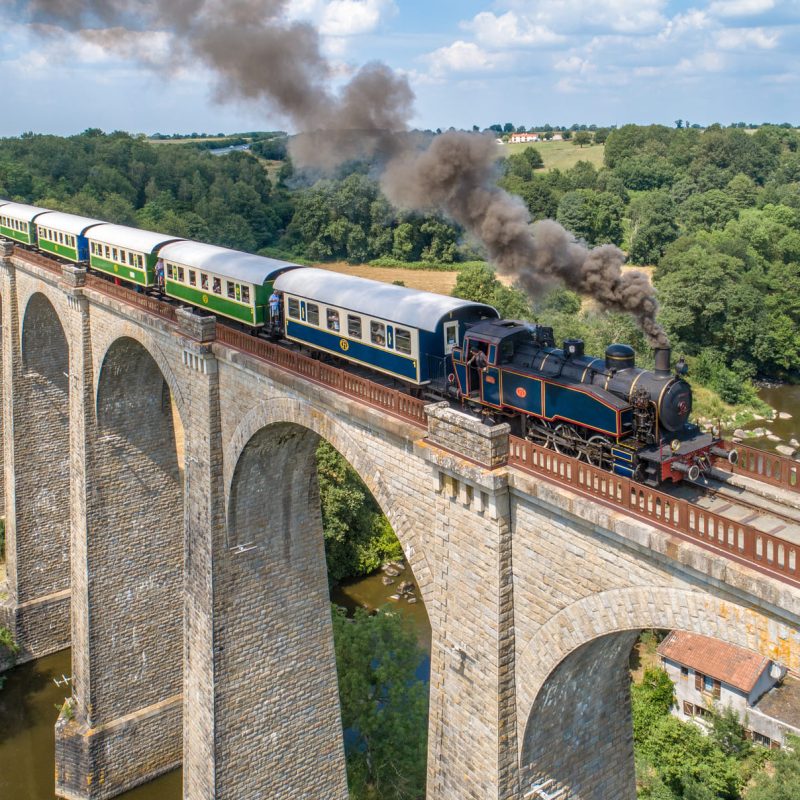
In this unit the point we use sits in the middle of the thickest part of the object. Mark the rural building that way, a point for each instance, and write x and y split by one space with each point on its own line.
709 673
521 138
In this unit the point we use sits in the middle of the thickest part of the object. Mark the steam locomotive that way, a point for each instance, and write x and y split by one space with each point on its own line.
606 411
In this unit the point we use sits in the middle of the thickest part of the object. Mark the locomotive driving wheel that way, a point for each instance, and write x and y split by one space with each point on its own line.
598 451
540 432
568 441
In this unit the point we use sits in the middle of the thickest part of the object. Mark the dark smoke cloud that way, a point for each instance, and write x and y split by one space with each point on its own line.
457 174
259 55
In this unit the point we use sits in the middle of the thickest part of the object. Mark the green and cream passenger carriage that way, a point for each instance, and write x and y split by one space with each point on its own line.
226 282
17 222
129 254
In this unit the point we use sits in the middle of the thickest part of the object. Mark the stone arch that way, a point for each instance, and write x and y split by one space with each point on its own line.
114 333
274 602
281 409
572 682
135 543
39 522
44 345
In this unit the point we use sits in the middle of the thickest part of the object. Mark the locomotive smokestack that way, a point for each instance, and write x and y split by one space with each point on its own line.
663 356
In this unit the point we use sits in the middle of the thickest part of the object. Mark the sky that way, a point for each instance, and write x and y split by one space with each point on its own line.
469 62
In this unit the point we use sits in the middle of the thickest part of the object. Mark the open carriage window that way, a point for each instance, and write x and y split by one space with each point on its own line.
333 320
377 333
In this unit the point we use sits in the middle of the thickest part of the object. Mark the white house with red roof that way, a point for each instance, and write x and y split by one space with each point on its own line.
708 673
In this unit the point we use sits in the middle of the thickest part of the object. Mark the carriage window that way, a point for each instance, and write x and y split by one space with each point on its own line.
217 286
139 261
402 341
312 312
181 274
246 294
170 271
108 251
294 308
333 320
204 281
192 278
131 259
231 287
377 333
354 326
115 254
61 238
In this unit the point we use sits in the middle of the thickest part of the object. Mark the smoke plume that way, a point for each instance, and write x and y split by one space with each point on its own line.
457 174
259 55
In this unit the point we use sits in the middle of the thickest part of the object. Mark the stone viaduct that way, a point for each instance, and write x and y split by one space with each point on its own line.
162 517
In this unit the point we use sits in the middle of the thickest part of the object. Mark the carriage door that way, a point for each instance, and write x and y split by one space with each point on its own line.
490 379
450 337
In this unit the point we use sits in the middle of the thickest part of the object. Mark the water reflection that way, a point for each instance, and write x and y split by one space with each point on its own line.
29 703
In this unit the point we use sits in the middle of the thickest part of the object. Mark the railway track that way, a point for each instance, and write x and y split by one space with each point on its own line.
766 508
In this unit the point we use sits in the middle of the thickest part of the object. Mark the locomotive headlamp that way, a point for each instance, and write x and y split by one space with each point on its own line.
675 445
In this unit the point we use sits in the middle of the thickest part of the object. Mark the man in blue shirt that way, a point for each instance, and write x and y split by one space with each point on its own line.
275 308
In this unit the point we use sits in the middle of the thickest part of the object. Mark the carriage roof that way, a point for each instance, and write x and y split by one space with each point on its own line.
244 267
130 238
21 212
412 307
68 223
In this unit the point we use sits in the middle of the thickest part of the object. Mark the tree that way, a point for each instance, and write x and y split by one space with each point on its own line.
707 211
728 733
653 226
651 700
782 782
600 135
582 138
479 283
358 538
508 127
384 705
595 217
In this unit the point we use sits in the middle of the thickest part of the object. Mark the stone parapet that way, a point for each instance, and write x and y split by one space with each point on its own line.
196 326
466 436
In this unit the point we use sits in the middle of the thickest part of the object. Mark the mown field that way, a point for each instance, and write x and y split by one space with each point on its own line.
561 155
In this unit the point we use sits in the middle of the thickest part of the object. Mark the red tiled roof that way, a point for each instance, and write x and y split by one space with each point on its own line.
725 662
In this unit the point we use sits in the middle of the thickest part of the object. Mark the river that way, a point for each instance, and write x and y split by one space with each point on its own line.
783 398
30 699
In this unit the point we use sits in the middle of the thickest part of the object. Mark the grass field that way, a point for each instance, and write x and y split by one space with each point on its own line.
561 155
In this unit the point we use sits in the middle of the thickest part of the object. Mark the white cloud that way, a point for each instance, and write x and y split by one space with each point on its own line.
703 62
354 17
463 57
510 30
740 8
745 38
570 16
573 64
339 18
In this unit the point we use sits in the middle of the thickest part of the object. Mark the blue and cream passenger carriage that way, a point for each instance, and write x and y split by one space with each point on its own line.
398 331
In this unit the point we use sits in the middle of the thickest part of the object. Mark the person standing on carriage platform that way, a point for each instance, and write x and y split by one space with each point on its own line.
275 308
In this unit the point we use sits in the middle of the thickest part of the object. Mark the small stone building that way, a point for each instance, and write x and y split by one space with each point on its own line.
708 673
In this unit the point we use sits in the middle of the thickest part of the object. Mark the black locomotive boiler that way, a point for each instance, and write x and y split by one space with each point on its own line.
606 411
